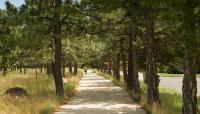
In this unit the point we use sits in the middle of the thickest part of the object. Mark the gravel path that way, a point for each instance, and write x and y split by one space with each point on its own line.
97 95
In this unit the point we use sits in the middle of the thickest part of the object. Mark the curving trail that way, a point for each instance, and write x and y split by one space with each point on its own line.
97 95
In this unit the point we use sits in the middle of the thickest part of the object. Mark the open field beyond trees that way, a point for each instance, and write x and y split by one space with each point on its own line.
173 75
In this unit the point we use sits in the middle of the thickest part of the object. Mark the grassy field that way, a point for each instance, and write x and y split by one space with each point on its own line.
42 98
170 99
174 75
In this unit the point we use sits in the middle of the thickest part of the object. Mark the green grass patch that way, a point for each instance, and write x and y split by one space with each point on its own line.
171 100
198 100
47 108
173 75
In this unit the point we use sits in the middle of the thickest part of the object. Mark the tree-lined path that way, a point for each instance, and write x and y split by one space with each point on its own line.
97 95
48 40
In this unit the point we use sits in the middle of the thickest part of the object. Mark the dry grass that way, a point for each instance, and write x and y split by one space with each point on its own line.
42 98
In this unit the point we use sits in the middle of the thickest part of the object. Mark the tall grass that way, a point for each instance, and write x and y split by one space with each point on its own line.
42 98
170 99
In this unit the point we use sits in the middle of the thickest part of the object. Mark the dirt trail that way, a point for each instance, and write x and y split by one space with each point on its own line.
97 95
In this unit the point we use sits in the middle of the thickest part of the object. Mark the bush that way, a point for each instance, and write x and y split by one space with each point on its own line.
16 91
169 69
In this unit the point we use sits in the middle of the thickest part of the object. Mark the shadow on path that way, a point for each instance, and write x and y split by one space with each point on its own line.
97 95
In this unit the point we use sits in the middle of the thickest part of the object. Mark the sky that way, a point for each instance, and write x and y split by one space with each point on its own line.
17 3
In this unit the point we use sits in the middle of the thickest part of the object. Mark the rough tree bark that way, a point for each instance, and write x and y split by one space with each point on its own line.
70 67
101 67
123 58
24 70
133 79
129 84
109 65
36 73
41 69
4 71
116 67
4 63
63 68
52 66
152 77
189 81
20 70
75 68
58 51
48 69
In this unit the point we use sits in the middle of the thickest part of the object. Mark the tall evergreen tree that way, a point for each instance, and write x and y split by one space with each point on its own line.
189 81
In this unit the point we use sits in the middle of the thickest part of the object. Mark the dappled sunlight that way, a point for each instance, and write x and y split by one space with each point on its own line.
101 105
99 88
97 95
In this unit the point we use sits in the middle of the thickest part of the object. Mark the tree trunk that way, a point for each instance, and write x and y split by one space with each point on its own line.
145 76
24 70
58 53
132 79
101 69
52 66
189 81
20 70
41 70
129 84
152 77
123 57
49 69
109 65
137 90
116 67
70 67
63 70
75 68
4 63
36 73
105 69
4 71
